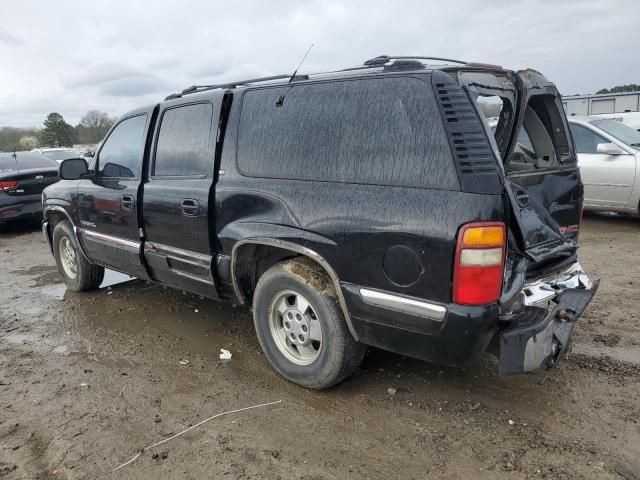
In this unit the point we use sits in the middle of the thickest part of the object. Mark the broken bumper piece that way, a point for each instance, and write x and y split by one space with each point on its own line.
538 336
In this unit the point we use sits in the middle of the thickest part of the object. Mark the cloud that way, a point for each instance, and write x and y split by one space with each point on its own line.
116 79
117 55
10 39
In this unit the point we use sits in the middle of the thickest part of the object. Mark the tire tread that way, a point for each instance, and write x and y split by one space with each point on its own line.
347 352
89 275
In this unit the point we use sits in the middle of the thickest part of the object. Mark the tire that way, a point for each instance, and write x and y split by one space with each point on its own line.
295 299
77 272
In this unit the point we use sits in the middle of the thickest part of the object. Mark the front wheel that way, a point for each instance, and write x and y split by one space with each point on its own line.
77 272
301 328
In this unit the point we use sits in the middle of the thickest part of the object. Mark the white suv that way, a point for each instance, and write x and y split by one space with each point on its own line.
58 154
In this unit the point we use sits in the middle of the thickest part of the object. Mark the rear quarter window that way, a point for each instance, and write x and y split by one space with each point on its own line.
382 131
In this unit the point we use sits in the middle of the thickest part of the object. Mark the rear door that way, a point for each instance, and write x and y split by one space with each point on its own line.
178 223
608 179
107 202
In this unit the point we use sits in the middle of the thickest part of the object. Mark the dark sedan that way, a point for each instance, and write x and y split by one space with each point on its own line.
23 176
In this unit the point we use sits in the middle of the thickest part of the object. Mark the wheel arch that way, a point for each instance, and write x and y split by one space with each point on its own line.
54 214
252 257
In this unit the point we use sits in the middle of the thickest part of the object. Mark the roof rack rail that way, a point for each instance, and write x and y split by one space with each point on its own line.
202 88
382 59
376 62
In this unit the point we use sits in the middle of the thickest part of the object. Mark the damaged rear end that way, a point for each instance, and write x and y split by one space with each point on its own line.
545 290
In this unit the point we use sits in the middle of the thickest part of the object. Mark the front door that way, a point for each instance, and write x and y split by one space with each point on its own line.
107 203
179 227
608 179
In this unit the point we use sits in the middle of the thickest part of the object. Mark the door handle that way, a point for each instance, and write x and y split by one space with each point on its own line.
127 202
190 207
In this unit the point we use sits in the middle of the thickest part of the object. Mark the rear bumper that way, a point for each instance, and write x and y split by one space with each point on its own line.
536 338
19 207
458 335
447 334
45 233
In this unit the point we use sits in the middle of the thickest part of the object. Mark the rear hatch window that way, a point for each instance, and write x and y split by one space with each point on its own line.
524 118
529 128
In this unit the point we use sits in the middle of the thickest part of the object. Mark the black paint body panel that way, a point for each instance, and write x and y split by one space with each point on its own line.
390 237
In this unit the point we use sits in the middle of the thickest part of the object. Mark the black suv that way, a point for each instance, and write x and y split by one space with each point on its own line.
376 205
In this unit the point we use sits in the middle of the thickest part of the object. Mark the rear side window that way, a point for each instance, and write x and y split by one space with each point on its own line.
384 131
183 142
121 153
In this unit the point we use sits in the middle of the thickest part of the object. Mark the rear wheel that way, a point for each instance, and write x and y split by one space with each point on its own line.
301 328
77 272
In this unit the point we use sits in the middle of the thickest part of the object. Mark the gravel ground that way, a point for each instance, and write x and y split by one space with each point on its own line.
88 380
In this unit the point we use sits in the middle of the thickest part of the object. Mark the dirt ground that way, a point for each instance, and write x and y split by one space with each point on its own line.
88 380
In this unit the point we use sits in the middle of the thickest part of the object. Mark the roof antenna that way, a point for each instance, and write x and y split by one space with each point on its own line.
15 158
280 101
293 75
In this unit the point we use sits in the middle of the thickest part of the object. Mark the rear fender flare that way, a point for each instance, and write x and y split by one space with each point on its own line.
299 249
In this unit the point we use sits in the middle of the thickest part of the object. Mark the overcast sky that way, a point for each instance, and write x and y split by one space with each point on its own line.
74 56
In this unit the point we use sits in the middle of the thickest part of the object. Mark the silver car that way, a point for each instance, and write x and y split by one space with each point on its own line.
609 160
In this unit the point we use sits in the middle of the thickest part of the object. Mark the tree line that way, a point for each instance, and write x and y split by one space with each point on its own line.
57 133
632 87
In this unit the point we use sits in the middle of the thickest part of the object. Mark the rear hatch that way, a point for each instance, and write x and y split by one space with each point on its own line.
529 133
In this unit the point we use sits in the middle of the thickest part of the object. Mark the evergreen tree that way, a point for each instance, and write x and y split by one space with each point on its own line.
57 132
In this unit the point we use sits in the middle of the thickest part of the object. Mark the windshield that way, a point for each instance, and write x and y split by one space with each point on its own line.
622 132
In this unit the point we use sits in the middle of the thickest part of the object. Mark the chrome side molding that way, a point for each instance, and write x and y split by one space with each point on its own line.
112 241
408 305
186 256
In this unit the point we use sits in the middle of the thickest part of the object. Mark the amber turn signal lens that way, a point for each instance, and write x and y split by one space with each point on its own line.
488 236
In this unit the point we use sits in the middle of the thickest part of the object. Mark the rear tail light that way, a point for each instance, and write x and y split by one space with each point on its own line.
479 263
8 184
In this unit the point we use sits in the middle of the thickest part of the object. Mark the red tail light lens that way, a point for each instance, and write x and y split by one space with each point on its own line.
8 184
479 263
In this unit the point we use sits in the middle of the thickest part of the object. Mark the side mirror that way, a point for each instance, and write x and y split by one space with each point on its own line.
73 169
609 149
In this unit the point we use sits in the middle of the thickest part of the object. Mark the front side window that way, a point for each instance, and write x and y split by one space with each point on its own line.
183 147
385 131
121 154
586 141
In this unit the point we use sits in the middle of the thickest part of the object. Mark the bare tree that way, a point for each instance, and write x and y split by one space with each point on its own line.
93 126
